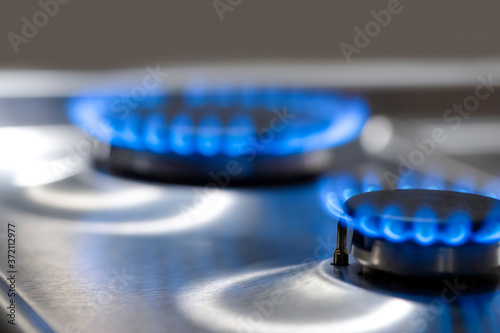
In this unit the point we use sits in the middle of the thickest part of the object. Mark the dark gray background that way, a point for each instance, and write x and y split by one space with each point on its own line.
107 34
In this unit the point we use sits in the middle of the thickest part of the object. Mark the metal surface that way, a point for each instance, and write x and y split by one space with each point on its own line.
445 304
99 253
109 254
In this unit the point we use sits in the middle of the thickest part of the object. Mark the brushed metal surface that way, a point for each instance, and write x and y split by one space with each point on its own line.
98 253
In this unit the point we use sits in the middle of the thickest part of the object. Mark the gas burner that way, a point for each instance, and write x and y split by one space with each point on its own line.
422 232
424 227
214 134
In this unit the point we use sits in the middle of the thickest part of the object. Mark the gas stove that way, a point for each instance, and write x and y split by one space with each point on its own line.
270 202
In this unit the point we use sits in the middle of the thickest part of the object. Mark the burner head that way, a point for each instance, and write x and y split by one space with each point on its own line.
245 134
425 232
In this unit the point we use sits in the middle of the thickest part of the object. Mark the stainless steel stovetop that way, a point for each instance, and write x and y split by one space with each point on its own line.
97 252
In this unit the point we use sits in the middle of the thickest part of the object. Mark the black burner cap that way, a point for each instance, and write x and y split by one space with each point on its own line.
409 201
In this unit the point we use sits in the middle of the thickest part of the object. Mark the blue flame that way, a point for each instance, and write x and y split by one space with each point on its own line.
250 97
238 130
425 229
156 133
195 93
332 188
371 182
425 226
458 229
223 95
209 135
131 132
393 228
409 182
367 222
273 98
433 180
492 189
182 134
464 184
490 232
347 187
299 120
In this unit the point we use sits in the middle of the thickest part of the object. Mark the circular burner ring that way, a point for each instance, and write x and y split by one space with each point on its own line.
259 135
220 172
424 219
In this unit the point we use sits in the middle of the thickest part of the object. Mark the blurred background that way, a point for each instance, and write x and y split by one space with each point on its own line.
114 34
422 44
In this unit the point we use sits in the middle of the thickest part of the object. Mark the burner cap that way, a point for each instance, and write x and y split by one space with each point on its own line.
425 232
441 204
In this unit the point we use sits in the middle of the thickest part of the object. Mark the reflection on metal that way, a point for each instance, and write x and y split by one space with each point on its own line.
124 207
376 134
290 299
31 154
189 218
63 198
